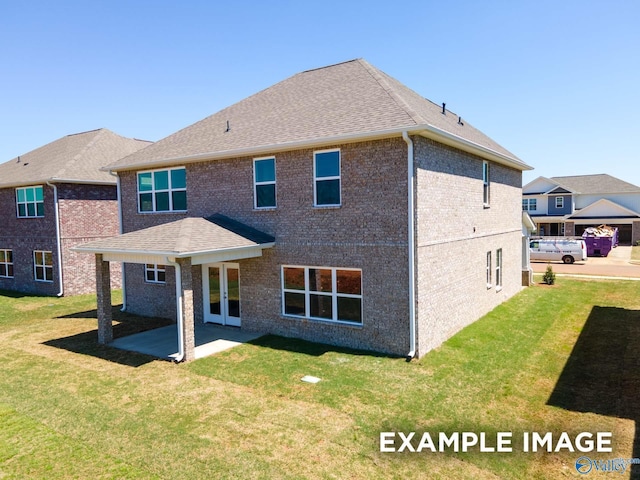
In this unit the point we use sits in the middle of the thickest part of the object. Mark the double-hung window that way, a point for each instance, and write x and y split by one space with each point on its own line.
486 184
162 190
559 202
499 269
264 182
30 202
42 266
326 178
529 204
154 273
323 293
489 267
6 263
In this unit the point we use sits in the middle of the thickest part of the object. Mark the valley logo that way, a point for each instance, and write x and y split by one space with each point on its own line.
585 465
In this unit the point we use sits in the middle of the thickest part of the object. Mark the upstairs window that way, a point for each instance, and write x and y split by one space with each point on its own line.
529 204
162 190
486 184
30 202
6 263
559 202
326 176
42 266
264 182
154 273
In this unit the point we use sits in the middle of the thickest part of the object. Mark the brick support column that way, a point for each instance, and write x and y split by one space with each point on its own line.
187 309
103 290
569 229
635 233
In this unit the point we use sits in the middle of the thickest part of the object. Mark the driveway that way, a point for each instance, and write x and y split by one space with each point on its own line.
616 264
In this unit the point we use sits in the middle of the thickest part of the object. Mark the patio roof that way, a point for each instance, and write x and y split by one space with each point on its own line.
204 240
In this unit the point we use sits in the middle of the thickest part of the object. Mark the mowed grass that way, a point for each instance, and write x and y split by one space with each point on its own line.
552 359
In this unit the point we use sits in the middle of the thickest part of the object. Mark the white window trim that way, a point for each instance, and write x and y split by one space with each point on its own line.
498 270
320 179
560 200
155 269
43 265
333 294
489 269
7 263
270 182
153 190
486 183
25 203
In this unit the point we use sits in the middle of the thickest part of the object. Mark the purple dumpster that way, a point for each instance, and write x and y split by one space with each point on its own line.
600 240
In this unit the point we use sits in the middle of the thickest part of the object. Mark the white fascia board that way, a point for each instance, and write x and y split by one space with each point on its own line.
426 130
28 183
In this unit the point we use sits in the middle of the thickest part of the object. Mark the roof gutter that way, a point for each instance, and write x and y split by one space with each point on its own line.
426 130
121 229
58 242
411 246
179 308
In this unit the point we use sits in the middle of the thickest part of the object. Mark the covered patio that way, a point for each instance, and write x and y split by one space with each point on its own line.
182 244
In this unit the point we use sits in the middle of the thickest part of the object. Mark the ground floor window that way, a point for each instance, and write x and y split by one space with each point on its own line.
499 269
42 266
489 285
322 293
154 273
6 263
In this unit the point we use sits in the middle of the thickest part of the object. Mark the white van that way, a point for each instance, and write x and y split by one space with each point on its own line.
558 249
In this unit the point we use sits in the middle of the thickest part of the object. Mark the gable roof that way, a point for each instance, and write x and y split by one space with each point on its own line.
605 208
75 158
349 101
596 184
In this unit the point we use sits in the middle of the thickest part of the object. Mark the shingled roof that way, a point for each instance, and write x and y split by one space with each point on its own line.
339 103
596 184
75 158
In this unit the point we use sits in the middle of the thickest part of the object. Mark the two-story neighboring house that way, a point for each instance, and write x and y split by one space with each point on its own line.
54 198
337 206
566 206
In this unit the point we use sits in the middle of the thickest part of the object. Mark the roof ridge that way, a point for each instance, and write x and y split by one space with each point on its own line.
379 77
72 160
332 65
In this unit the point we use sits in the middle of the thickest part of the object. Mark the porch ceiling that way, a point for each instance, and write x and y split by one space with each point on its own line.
205 240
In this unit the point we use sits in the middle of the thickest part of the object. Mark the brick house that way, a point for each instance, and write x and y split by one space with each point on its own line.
336 206
568 205
54 198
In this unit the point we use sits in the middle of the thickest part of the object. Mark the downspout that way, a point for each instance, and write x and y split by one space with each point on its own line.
411 246
58 242
180 319
121 230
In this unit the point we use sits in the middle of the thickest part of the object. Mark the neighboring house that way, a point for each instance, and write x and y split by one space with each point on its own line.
336 206
566 206
52 199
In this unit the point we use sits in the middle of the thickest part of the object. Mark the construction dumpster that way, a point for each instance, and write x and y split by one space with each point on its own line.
600 240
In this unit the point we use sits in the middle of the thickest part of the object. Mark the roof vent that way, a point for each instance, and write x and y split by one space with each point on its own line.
228 127
444 111
460 120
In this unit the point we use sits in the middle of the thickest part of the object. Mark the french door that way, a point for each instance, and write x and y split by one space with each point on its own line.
221 284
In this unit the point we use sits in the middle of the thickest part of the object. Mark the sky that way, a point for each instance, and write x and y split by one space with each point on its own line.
554 82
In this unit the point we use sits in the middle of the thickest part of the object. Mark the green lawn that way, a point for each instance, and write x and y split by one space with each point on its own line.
553 359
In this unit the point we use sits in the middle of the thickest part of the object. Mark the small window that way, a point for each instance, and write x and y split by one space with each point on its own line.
559 202
326 176
489 267
486 184
529 204
154 273
499 269
30 202
6 263
322 293
43 266
162 190
264 181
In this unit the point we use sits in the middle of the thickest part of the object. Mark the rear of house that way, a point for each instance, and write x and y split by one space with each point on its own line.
380 221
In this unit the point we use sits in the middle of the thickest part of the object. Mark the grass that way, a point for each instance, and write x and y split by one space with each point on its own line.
554 358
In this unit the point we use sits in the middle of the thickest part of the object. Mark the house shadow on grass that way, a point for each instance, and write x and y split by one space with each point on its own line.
125 324
305 347
602 375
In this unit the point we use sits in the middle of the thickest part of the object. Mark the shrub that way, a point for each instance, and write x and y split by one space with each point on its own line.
549 277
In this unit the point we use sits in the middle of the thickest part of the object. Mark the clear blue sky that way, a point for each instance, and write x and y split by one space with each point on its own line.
555 82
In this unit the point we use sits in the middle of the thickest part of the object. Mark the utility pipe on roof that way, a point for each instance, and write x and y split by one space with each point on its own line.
411 247
121 230
179 308
58 242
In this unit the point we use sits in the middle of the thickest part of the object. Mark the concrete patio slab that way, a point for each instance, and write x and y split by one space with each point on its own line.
163 342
